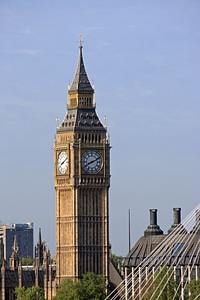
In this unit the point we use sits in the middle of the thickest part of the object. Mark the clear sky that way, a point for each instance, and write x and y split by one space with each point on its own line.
143 57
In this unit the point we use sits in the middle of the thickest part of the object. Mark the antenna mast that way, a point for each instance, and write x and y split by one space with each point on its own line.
129 231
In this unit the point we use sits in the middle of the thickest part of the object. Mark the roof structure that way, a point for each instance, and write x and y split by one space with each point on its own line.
81 110
166 260
81 83
153 236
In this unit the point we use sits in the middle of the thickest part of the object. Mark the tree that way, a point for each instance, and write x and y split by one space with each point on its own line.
117 261
94 286
20 293
163 287
193 289
33 293
27 261
90 287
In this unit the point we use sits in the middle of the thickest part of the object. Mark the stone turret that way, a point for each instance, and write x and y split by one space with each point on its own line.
14 258
39 250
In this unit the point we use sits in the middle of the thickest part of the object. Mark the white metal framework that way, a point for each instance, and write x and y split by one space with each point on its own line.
176 260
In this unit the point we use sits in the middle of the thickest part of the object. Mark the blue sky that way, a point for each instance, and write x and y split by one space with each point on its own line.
143 57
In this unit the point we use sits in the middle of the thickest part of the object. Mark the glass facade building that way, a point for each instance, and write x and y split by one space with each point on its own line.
24 237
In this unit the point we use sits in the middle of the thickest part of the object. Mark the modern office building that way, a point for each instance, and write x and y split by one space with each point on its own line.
24 237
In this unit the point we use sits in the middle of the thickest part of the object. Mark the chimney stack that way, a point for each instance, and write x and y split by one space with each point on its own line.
153 228
177 221
177 215
153 216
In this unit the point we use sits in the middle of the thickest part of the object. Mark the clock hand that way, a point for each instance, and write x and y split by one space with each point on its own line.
92 161
63 161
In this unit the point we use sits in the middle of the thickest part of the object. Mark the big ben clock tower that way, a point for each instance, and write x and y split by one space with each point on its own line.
82 181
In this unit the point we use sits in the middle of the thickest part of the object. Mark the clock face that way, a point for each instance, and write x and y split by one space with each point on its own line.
91 161
62 162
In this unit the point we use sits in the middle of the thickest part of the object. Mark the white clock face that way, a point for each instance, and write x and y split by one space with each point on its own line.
62 162
91 161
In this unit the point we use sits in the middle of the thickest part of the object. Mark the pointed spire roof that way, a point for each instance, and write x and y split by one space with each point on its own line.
15 247
81 113
81 83
39 237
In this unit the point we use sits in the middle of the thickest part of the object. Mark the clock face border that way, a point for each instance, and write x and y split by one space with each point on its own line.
92 161
62 162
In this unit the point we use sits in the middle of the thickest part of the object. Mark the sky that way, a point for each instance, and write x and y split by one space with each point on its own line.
143 58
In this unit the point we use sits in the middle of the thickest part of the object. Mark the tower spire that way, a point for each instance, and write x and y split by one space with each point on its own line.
39 249
81 41
81 83
14 257
39 237
15 246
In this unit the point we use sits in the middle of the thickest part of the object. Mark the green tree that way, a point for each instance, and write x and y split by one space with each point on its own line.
163 287
27 261
20 293
117 261
90 287
33 293
94 286
193 289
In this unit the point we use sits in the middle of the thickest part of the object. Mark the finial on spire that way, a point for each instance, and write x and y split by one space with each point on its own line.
81 41
105 119
15 247
57 120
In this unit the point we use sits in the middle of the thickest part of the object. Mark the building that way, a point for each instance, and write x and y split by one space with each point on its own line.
13 274
24 236
154 237
82 181
170 260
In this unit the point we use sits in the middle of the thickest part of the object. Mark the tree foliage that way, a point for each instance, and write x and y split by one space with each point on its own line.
193 289
117 261
33 293
163 287
27 261
90 287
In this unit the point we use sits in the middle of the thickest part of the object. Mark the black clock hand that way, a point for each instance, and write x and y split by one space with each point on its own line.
63 161
92 161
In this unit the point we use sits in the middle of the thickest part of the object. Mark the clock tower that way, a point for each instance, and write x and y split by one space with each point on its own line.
82 181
